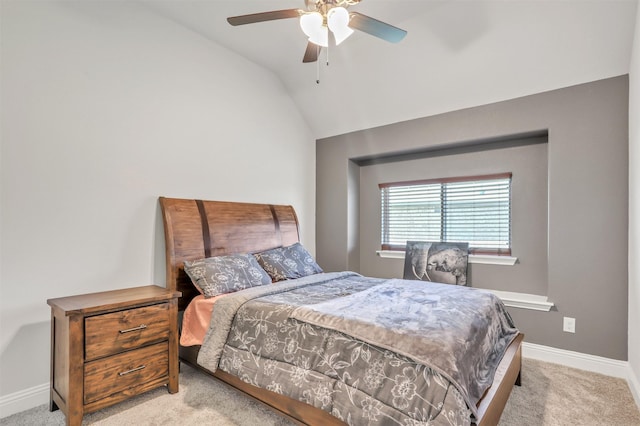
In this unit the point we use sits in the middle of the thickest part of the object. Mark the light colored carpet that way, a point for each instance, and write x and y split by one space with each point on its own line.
554 395
550 395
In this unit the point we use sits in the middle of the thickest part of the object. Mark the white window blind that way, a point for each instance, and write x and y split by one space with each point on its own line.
474 209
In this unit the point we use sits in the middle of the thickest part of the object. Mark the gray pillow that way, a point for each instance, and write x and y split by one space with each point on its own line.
225 274
285 263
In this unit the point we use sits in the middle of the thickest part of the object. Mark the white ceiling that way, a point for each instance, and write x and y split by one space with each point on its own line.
457 54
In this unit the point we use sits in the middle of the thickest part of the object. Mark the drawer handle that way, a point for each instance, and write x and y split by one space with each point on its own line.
129 330
133 370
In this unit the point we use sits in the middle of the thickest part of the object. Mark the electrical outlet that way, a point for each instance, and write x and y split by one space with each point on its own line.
569 325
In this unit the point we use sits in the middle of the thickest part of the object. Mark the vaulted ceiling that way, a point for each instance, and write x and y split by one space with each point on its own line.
457 54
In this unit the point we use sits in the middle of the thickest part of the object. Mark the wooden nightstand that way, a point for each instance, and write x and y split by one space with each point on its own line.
109 346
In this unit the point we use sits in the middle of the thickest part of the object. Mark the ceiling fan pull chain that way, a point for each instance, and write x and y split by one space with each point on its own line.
327 55
317 65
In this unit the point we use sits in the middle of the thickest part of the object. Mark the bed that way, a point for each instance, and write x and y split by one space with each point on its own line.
197 229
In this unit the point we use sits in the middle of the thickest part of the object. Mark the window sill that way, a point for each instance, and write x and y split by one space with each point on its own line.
484 259
523 300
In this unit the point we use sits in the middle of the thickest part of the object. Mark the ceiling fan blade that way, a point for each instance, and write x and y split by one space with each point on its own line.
264 16
376 28
312 53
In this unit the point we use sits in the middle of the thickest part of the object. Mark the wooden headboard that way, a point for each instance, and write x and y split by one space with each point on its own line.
196 229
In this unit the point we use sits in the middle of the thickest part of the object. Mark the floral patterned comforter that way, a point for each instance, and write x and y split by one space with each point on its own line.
297 338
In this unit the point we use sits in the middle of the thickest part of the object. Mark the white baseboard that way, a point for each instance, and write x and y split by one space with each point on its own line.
596 364
593 363
634 384
38 395
23 400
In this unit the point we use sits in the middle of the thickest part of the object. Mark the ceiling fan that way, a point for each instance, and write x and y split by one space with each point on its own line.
325 23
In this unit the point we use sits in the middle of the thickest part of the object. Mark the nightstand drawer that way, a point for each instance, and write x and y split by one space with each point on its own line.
112 333
130 369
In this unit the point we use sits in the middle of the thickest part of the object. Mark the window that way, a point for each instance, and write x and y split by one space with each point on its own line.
473 209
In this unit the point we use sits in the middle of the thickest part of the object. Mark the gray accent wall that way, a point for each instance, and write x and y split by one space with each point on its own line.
570 202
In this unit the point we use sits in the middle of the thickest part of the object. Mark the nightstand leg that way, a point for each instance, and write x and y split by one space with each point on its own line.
75 408
173 376
74 419
52 405
174 366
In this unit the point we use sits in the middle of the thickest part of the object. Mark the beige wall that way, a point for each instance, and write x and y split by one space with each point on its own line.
105 107
587 214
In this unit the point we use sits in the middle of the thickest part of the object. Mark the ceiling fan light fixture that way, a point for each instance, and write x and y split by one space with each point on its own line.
321 38
312 25
323 20
338 22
